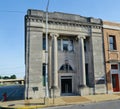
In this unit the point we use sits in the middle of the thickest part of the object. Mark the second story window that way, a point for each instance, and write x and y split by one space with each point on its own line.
85 45
59 44
112 42
114 66
65 45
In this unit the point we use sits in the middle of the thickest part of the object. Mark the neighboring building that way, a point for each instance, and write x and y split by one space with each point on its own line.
112 55
75 54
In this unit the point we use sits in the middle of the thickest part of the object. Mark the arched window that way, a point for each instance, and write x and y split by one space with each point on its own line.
66 67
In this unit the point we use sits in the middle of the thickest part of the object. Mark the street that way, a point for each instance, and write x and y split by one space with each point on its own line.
101 105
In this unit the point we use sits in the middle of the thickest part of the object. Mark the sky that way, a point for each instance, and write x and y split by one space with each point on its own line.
12 14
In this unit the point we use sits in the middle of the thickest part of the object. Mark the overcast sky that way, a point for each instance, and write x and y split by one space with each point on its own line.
12 25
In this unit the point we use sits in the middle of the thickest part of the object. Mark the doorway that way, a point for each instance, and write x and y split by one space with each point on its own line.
115 82
66 86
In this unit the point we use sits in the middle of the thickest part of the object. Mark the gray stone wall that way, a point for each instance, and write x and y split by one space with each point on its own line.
34 87
66 25
98 63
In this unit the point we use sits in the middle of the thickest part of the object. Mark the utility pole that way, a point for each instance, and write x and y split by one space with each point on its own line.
46 54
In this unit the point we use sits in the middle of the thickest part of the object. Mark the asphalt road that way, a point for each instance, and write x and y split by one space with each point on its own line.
101 105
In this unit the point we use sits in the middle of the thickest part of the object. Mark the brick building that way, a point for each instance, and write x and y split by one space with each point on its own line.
75 54
112 55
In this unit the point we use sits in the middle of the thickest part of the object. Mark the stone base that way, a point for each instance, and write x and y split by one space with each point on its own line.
84 91
46 101
91 91
100 89
54 93
110 92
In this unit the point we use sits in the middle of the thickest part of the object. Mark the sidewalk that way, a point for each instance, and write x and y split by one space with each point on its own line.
39 103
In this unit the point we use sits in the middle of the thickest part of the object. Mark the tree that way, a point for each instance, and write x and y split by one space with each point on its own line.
5 77
13 77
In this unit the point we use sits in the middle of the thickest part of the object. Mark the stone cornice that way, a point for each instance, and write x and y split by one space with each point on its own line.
64 19
63 22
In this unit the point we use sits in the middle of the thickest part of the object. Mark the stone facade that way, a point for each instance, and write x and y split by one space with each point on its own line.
112 55
75 54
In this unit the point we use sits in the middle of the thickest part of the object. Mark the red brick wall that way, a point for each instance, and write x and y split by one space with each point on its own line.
111 55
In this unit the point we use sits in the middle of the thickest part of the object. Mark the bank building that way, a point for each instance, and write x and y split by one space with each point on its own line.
75 55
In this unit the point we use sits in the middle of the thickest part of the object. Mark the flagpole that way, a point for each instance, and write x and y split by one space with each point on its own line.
46 54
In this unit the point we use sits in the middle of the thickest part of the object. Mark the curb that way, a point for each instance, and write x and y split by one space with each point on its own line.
44 106
20 106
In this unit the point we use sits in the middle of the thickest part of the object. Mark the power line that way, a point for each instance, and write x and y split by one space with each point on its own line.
12 73
12 67
7 11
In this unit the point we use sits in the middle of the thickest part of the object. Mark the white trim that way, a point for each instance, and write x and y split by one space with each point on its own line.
111 27
116 72
111 76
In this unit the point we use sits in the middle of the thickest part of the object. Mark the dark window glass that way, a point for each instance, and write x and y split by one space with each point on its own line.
114 66
70 68
65 47
70 45
59 44
66 67
85 45
112 42
87 75
114 81
44 43
43 73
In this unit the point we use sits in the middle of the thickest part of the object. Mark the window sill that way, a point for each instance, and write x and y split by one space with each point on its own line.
66 51
112 50
62 71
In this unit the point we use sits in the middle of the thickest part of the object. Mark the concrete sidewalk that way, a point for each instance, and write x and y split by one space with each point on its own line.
60 101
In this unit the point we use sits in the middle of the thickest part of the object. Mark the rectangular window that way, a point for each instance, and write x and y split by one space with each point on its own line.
44 43
70 45
112 42
85 45
59 44
114 81
43 73
87 75
114 66
67 45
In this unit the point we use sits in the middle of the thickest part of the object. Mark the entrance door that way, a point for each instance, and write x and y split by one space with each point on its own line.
115 82
66 85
